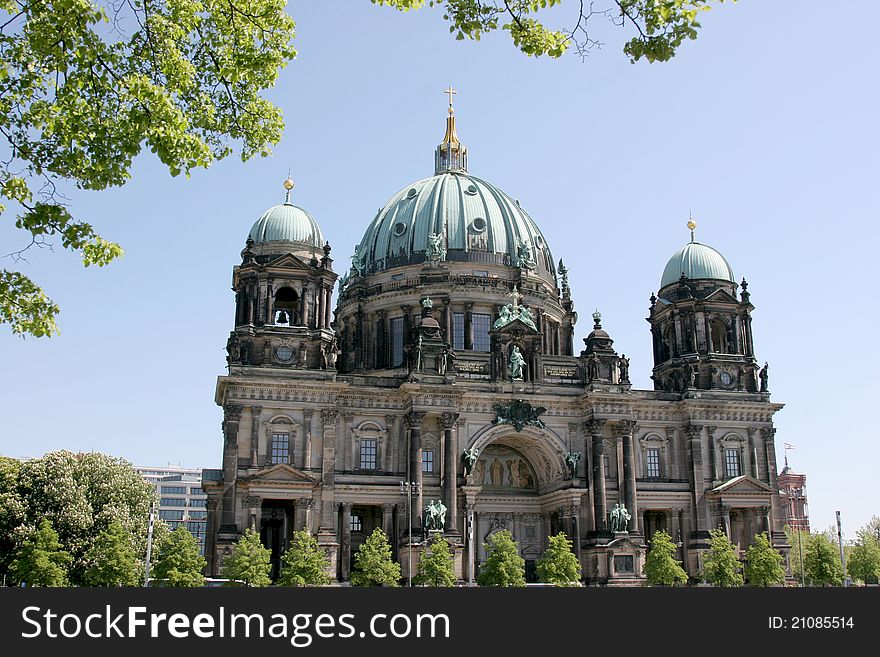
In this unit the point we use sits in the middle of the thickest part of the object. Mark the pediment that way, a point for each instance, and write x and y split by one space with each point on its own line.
742 485
722 295
517 325
281 473
288 261
625 543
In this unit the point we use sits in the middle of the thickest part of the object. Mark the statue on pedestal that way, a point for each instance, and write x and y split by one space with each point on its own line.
517 363
620 518
764 375
435 516
571 460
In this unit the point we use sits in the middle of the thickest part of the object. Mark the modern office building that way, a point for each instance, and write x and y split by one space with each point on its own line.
181 498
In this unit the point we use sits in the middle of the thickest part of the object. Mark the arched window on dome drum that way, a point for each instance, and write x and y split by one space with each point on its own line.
286 307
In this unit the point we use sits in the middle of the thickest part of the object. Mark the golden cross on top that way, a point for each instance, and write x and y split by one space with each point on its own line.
451 92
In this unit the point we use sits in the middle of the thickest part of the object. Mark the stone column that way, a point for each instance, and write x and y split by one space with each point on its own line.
413 422
307 439
694 436
625 431
387 521
594 428
673 454
328 471
725 520
391 440
575 534
770 445
468 326
346 437
346 541
327 310
255 435
381 349
753 453
714 461
450 474
231 419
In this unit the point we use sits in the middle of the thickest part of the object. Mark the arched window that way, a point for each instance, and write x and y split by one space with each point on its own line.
286 307
719 336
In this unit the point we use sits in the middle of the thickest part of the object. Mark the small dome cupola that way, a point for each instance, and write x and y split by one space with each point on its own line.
451 155
287 223
695 261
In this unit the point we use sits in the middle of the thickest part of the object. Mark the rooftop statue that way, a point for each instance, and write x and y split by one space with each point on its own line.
436 251
524 257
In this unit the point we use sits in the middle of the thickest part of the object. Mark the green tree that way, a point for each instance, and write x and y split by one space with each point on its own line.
111 559
720 565
372 562
661 567
249 562
12 510
559 565
863 561
87 85
763 563
799 541
81 494
304 562
822 561
504 566
658 27
436 565
178 562
40 560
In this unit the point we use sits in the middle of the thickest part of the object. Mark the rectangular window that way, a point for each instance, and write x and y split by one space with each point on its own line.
166 514
174 490
652 462
458 331
368 454
202 503
731 462
356 523
396 341
198 515
280 448
172 501
197 529
196 491
607 459
482 323
428 460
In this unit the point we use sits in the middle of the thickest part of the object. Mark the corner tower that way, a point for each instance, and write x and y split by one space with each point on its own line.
702 332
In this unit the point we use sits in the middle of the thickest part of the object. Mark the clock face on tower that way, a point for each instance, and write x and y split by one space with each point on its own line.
284 353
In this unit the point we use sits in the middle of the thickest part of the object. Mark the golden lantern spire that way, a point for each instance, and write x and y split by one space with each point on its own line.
450 137
691 224
450 155
288 185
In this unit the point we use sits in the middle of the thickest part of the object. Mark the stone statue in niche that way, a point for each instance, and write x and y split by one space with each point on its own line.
469 456
571 460
517 364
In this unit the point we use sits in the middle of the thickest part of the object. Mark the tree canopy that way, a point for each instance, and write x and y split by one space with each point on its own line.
504 566
178 562
304 563
661 566
658 27
559 565
112 561
436 566
249 562
373 565
81 495
85 86
40 560
720 565
763 563
822 561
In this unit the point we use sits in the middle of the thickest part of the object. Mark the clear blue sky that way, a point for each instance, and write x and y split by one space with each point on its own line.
766 128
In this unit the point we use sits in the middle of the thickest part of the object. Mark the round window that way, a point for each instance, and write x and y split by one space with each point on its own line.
478 225
411 193
399 229
284 353
725 379
471 189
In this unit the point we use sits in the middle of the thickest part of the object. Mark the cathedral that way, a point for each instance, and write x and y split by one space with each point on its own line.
444 394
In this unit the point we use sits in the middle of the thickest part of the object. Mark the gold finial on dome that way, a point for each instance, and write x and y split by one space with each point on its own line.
691 224
288 185
451 154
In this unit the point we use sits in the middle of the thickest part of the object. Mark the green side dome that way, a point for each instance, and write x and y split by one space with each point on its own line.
697 261
287 223
478 222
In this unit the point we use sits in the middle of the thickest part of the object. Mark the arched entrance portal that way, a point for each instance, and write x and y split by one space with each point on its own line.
519 484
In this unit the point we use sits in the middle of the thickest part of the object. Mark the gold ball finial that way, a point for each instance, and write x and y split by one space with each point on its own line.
691 224
288 184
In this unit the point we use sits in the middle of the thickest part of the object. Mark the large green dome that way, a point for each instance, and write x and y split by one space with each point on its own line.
478 222
287 223
697 261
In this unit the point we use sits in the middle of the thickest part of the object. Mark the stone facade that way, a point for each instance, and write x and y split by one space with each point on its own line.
416 376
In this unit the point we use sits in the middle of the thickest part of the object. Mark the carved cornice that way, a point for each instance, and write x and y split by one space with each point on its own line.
232 412
693 431
623 428
251 501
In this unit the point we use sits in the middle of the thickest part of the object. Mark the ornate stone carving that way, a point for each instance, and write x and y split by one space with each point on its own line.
307 414
449 420
519 413
232 412
328 415
670 433
413 419
624 428
389 421
251 501
693 431
594 426
212 505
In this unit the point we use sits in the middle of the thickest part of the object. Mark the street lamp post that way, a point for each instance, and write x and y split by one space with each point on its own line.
408 488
